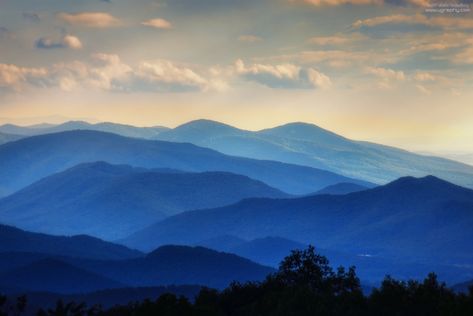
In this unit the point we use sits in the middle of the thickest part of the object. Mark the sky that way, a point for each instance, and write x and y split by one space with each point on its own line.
397 72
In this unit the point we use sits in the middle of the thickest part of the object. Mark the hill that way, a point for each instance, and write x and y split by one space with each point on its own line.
55 276
16 240
179 265
5 138
342 188
27 160
120 129
309 145
111 202
423 219
167 265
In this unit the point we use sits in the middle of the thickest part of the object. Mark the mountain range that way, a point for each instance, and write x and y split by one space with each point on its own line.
423 219
270 251
295 143
167 265
27 160
5 138
309 145
81 246
120 129
111 201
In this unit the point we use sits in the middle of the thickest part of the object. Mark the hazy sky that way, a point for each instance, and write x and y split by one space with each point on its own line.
389 71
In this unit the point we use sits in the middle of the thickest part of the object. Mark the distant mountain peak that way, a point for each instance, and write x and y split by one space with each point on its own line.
302 130
168 250
205 124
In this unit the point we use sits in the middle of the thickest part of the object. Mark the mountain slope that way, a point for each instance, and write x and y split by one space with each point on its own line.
55 276
271 251
342 188
16 240
178 265
111 202
421 219
5 138
309 145
27 160
120 129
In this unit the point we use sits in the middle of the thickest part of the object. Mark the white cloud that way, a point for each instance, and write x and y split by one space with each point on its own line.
89 19
68 41
417 19
286 76
418 3
424 76
15 78
72 42
158 23
386 73
339 2
329 40
165 75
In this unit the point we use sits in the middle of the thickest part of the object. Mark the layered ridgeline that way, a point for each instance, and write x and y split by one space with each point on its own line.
310 145
424 219
120 129
295 143
27 160
5 138
81 246
168 265
270 251
113 201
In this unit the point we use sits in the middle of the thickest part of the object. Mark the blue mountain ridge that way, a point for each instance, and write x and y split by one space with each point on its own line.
113 201
420 219
27 160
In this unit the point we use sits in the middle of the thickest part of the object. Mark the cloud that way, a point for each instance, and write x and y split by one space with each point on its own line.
31 17
89 19
109 73
329 40
465 56
340 2
318 3
68 41
158 23
423 90
164 75
15 78
249 38
5 32
424 76
335 58
285 76
417 19
386 73
387 76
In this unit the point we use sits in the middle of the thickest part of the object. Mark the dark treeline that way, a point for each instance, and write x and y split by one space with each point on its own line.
305 284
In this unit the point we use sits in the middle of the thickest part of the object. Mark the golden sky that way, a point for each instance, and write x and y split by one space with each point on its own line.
385 71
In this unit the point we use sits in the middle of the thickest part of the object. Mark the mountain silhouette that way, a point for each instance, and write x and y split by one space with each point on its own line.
27 160
342 188
16 240
425 219
309 145
167 265
55 276
120 129
5 138
111 202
